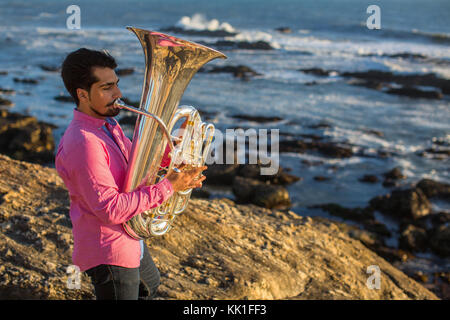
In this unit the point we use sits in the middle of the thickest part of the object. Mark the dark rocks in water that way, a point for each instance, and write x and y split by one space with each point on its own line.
259 119
25 138
200 194
433 189
378 80
257 45
205 33
356 214
3 73
413 238
320 125
49 68
7 91
403 204
63 98
261 194
239 71
391 177
26 80
436 152
124 71
415 93
6 103
326 148
318 71
253 171
221 174
321 178
370 178
440 240
411 80
284 30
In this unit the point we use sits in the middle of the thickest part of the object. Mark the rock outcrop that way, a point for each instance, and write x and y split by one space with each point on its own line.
217 250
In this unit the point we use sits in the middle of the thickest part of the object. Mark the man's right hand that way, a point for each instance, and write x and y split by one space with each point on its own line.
187 178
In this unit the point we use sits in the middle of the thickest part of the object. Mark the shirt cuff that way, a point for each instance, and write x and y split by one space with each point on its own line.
166 188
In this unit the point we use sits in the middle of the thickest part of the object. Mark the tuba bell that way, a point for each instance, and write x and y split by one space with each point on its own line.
170 64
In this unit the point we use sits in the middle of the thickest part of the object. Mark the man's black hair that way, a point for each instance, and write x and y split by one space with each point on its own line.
76 70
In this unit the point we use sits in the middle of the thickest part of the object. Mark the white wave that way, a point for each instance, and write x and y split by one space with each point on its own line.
254 36
199 22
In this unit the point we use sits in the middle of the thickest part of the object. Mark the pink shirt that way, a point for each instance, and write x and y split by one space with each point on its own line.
93 169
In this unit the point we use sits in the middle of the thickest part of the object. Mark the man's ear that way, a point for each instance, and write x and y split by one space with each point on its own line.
82 94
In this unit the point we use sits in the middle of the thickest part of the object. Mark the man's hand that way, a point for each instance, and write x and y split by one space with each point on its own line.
187 178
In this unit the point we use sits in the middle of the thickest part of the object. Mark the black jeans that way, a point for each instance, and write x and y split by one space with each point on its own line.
119 283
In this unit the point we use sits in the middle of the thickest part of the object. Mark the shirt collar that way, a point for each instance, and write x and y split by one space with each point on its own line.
81 116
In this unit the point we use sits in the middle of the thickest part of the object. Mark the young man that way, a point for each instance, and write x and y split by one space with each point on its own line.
92 160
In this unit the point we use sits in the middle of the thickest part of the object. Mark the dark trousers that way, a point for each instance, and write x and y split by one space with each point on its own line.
119 283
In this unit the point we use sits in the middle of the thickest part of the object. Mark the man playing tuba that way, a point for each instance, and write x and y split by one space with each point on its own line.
92 160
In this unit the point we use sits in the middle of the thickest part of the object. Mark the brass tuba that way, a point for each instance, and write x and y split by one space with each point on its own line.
170 64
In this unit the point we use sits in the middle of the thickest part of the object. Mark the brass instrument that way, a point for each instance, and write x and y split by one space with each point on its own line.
170 64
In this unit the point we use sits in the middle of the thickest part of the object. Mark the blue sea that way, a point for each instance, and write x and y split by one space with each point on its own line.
326 34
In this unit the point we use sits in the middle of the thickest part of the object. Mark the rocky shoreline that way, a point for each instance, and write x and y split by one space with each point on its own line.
217 250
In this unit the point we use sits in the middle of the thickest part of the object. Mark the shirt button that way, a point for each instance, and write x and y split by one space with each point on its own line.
98 193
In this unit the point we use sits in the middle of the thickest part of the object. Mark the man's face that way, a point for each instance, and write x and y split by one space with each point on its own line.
103 93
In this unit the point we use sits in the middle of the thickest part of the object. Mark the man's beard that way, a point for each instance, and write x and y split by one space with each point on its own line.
111 112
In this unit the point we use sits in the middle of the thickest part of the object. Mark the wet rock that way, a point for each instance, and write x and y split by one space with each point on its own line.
413 238
328 149
391 177
6 103
26 80
415 93
64 98
370 178
321 178
257 45
284 30
356 214
318 71
433 189
407 204
50 68
221 174
25 138
264 195
7 91
124 71
259 119
253 171
240 71
440 240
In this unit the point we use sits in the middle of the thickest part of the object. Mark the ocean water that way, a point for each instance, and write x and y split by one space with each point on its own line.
325 34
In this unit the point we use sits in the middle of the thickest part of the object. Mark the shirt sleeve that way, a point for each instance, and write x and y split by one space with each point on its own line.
89 170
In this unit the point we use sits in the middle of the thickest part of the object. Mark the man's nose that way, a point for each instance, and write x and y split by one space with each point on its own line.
117 93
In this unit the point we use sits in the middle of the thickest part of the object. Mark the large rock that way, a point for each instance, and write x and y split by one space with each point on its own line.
206 255
407 204
25 138
433 188
261 194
